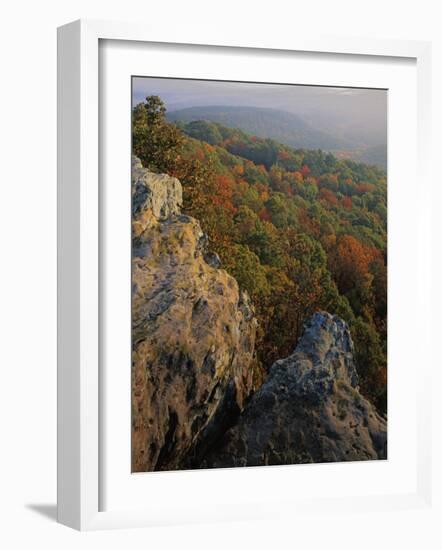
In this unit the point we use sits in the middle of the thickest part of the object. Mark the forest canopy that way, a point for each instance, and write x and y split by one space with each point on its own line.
299 229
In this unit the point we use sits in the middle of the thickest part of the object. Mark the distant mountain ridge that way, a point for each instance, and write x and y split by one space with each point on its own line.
282 126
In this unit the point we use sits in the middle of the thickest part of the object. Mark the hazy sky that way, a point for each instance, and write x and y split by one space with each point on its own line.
357 110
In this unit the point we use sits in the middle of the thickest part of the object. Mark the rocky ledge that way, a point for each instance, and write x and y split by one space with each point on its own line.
193 333
194 366
309 409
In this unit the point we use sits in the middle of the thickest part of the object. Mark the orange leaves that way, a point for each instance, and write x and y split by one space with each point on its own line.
238 170
354 251
362 188
224 192
263 191
329 197
350 263
347 203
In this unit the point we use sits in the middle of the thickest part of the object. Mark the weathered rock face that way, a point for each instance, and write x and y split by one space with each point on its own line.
193 368
158 193
309 409
193 333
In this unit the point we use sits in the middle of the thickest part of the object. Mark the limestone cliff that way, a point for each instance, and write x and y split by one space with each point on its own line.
193 333
309 409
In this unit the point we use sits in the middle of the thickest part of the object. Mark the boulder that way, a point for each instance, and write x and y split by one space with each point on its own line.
308 410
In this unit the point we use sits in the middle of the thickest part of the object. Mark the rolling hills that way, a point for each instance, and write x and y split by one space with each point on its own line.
287 128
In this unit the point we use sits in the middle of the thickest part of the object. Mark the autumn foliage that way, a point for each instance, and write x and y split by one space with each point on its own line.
300 230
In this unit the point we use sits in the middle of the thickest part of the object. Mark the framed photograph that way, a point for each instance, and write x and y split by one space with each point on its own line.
241 228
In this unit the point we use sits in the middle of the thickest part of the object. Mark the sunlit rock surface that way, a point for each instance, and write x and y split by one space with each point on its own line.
193 333
195 400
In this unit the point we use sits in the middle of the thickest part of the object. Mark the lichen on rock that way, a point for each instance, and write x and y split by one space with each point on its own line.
193 332
194 399
309 409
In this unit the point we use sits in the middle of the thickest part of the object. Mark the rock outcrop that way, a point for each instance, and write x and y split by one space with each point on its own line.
309 409
193 333
194 366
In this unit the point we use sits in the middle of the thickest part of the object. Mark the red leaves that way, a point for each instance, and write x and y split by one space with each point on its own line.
264 215
347 203
305 170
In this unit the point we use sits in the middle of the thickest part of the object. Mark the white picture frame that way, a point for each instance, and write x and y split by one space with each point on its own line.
79 409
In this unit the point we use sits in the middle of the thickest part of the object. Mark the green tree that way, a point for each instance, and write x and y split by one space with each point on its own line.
156 142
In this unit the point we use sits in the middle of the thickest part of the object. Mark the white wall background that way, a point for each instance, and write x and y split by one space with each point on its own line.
28 268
